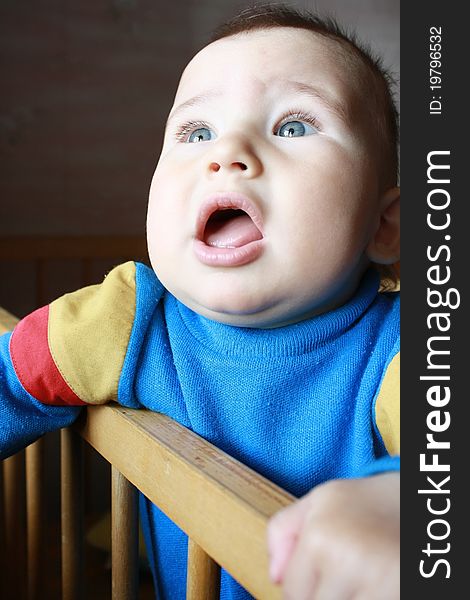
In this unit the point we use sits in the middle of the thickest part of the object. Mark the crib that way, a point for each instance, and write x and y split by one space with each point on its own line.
221 504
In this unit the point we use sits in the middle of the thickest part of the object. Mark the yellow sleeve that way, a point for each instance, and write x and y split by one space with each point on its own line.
89 332
387 407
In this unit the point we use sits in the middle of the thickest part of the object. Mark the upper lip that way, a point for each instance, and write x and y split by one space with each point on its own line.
225 201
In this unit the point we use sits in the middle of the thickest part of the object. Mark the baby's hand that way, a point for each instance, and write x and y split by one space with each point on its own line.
339 542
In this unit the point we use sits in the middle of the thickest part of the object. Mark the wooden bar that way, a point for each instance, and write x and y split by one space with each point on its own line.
15 526
72 515
203 579
11 498
124 538
220 503
35 510
3 555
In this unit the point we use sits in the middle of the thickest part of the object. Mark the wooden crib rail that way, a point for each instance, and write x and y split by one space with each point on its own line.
222 505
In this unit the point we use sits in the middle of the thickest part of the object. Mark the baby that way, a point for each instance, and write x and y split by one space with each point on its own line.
261 326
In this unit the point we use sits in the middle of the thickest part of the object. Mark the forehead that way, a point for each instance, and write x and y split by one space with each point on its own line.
254 62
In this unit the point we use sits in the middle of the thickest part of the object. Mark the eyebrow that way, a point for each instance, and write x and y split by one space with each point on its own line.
317 93
194 101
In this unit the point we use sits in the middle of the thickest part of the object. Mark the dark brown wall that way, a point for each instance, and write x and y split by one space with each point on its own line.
85 91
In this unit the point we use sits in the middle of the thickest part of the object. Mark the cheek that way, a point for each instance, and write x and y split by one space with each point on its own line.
338 196
160 229
324 220
158 235
153 211
163 200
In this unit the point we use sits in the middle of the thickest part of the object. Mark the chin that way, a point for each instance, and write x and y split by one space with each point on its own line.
232 307
223 293
228 307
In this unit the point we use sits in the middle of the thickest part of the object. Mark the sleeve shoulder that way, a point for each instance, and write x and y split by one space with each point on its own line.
386 409
73 351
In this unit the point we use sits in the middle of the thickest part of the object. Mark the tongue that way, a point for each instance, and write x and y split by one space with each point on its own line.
232 232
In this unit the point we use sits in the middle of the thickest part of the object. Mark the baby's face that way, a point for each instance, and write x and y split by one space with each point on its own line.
266 193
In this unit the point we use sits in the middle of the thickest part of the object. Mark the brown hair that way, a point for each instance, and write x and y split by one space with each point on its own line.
267 16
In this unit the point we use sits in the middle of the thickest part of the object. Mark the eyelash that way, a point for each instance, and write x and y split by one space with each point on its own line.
187 128
298 115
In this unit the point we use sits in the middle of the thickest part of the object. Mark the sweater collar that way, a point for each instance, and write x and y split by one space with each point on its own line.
291 340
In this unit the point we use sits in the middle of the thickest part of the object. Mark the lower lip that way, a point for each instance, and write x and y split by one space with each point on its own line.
227 257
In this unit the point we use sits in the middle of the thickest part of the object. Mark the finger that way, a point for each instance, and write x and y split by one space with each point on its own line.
283 531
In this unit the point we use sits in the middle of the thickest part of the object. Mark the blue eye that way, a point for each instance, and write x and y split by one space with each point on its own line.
295 129
203 134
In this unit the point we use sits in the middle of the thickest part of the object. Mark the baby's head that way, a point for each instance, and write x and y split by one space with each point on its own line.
276 185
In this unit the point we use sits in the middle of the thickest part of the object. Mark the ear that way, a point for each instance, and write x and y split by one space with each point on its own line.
384 246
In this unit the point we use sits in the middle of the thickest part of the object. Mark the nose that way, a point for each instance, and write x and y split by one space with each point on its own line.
234 154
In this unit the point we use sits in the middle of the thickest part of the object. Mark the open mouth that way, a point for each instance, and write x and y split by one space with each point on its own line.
229 231
230 228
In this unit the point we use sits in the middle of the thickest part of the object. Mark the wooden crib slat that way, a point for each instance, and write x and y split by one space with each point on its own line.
3 554
35 518
72 515
15 526
203 580
10 469
124 538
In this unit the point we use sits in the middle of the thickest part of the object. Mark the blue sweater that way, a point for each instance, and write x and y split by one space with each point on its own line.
297 403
